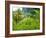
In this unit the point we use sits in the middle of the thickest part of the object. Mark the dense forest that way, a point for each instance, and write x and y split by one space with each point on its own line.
26 19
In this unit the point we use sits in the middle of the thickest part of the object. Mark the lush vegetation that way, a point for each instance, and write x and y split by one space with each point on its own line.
26 19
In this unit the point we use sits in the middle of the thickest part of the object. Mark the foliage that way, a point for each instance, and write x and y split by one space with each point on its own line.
29 21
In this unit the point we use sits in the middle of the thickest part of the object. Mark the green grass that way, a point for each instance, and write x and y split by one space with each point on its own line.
27 24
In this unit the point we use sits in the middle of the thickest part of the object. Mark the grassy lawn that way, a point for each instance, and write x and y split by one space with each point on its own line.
27 24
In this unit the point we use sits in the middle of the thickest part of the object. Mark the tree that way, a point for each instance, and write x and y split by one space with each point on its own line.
17 15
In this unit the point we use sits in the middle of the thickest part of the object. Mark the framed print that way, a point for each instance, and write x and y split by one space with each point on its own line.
24 18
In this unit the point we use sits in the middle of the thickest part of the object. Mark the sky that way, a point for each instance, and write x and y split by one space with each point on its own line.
14 8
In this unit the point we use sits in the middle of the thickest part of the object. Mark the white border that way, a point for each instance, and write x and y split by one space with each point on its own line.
27 31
